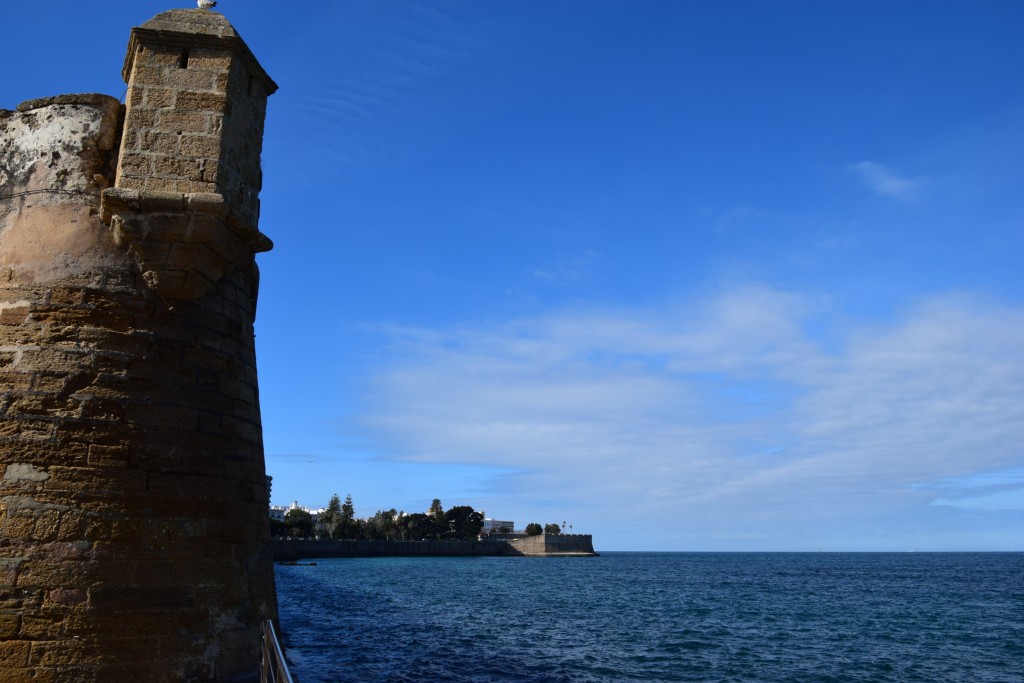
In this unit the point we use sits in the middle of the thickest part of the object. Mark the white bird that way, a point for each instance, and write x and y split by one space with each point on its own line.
206 4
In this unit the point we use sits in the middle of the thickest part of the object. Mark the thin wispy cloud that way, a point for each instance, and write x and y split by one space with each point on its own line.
568 270
727 413
996 490
360 103
738 217
886 182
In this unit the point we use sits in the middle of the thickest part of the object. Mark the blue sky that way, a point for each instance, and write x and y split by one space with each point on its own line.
687 275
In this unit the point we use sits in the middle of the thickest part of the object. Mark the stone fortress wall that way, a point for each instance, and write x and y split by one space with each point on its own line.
540 546
134 537
553 544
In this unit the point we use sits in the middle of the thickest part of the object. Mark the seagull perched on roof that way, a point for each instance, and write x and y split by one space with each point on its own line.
206 4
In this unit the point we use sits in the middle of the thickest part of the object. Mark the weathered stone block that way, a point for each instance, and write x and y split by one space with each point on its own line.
41 628
140 119
13 381
14 315
213 173
201 101
19 599
46 573
46 526
195 186
101 410
134 343
14 653
183 121
35 676
52 322
45 383
19 526
148 75
61 597
136 165
157 142
49 406
210 59
205 146
73 525
221 82
136 97
49 653
159 55
26 428
71 479
177 168
133 182
190 79
10 624
158 98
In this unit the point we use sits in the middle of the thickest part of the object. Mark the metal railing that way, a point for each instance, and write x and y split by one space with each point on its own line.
273 668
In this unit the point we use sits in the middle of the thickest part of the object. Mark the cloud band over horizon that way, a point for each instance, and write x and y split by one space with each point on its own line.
737 415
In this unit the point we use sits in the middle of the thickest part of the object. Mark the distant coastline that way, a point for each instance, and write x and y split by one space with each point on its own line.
545 545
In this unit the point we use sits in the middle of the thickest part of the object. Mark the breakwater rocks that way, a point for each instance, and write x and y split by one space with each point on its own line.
568 545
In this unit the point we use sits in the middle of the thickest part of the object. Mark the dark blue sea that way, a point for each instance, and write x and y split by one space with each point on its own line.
657 617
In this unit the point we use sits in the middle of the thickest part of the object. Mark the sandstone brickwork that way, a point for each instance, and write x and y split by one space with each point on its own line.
134 539
196 103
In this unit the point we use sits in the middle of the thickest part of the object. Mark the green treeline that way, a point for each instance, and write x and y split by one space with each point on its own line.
338 521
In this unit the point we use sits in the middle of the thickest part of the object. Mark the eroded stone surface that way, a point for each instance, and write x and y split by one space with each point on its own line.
56 155
58 143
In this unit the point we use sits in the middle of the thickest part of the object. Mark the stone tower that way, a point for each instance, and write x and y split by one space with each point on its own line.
134 533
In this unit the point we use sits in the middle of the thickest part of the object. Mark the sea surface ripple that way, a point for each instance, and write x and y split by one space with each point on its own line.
839 617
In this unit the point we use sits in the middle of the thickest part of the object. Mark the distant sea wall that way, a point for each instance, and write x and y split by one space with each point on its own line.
552 545
535 546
